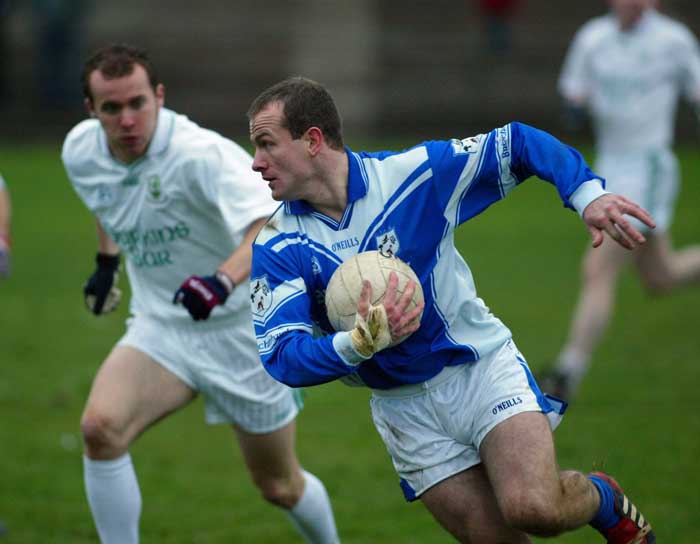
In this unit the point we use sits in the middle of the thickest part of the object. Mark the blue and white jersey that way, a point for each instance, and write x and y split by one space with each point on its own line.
406 204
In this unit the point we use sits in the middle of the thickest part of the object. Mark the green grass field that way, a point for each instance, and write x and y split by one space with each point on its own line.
637 415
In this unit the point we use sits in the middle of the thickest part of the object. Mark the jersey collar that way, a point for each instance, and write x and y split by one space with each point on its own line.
357 186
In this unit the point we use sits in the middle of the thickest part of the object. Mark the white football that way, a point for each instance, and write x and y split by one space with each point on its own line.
344 288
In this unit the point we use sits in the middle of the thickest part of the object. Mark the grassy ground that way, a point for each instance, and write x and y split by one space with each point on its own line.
637 414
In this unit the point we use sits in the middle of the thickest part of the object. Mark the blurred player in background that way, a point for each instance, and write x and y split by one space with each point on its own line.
177 200
627 69
455 403
5 220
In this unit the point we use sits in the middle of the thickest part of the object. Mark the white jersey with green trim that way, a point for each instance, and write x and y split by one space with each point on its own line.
179 210
631 79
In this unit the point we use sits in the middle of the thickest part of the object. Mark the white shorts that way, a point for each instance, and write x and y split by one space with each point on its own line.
221 362
433 430
649 179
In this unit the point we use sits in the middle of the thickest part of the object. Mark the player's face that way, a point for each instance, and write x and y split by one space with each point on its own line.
628 12
127 108
282 161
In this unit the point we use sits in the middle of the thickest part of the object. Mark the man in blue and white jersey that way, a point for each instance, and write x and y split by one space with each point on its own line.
182 205
627 69
456 398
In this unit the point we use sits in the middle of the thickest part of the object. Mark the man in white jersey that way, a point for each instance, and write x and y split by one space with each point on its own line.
5 219
177 200
627 70
455 403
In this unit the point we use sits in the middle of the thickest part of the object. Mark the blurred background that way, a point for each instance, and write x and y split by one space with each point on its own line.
425 68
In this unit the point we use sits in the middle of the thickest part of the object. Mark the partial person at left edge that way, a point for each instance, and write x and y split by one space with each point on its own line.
178 201
5 219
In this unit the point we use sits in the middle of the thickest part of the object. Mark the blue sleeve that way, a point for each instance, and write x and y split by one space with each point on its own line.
473 173
282 319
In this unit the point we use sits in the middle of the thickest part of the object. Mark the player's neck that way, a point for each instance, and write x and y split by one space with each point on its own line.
332 197
628 25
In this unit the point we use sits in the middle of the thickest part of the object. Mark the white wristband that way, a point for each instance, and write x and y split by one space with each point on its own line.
227 282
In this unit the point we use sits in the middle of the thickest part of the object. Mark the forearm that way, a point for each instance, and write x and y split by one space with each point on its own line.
300 360
105 244
537 153
5 216
237 266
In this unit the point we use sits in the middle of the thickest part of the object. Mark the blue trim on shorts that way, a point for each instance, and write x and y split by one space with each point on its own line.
408 492
548 403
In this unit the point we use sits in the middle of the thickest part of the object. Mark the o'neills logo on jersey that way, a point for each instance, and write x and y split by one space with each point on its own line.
260 296
388 243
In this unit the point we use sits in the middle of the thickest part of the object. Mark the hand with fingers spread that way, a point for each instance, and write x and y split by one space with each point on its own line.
378 327
607 214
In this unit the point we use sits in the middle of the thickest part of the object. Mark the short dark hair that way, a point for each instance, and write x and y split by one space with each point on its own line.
115 61
306 104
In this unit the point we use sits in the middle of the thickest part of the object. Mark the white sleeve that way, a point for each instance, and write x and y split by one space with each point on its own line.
240 194
690 58
574 80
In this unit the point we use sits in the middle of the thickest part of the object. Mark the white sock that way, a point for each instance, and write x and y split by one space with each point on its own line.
114 497
574 364
313 515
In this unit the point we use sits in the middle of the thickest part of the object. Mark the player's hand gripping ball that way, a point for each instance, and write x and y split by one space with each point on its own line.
344 288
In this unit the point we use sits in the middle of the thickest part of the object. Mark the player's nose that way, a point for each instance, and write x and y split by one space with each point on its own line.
259 164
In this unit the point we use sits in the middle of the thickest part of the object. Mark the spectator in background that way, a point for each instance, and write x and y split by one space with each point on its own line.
5 216
626 69
60 26
497 16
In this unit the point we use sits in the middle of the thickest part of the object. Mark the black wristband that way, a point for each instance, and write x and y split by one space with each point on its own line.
110 262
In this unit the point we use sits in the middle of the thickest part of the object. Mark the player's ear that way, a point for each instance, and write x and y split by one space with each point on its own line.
314 140
89 107
160 94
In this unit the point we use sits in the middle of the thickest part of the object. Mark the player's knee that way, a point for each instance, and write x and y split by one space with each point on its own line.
658 283
100 434
533 513
279 491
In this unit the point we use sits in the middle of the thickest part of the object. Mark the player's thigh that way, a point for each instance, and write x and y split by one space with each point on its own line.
131 391
519 457
466 506
269 455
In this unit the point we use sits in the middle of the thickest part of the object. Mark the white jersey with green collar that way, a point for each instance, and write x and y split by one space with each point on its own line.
179 210
631 79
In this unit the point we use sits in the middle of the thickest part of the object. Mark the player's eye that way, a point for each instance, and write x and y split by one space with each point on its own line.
138 102
110 108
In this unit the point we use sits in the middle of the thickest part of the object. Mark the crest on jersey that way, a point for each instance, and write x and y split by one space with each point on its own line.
260 296
154 189
315 265
388 243
467 146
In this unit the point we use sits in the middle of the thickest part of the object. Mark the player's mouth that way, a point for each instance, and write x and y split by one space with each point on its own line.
130 141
